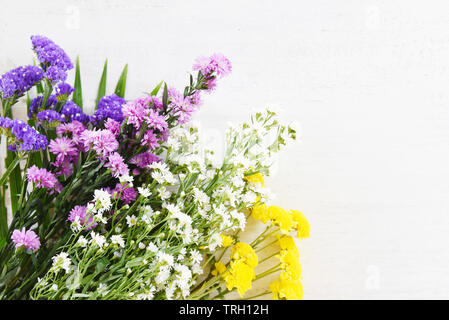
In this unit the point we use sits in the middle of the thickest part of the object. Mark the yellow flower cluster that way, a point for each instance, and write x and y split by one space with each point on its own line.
287 221
288 286
227 241
241 268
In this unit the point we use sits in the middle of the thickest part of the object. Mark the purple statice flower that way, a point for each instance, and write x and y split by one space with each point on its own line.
80 213
43 179
64 89
180 106
64 149
124 192
36 104
49 116
117 165
19 80
73 112
142 160
112 126
150 140
50 54
55 74
217 63
26 238
24 137
109 107
102 141
136 111
155 120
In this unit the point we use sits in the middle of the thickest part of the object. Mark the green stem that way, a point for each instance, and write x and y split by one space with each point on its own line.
257 295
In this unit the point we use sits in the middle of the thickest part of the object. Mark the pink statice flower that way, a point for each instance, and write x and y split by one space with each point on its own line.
155 102
112 126
155 120
217 63
150 140
195 98
136 111
102 141
117 165
181 106
43 179
143 160
64 149
27 239
203 64
80 213
105 142
220 64
72 130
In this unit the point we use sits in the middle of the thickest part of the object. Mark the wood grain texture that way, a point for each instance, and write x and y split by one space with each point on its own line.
366 79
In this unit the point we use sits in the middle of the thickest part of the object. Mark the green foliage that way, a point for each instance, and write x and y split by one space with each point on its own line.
102 85
121 84
78 94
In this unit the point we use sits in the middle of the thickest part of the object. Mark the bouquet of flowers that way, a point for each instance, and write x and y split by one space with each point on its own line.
128 203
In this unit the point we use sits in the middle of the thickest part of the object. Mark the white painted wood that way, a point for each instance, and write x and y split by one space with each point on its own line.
368 80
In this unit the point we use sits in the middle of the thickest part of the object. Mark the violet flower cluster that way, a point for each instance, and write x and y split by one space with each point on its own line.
109 107
22 137
53 58
18 81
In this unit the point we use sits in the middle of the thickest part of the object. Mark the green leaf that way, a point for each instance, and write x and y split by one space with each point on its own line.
121 84
3 216
78 94
165 96
102 86
156 90
101 264
2 242
134 262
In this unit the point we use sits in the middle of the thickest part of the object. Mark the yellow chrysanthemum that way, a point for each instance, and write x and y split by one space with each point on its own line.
256 178
219 268
226 240
260 212
287 289
301 224
239 276
281 218
243 251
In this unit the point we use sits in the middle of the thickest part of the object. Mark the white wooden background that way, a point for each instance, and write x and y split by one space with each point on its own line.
367 80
